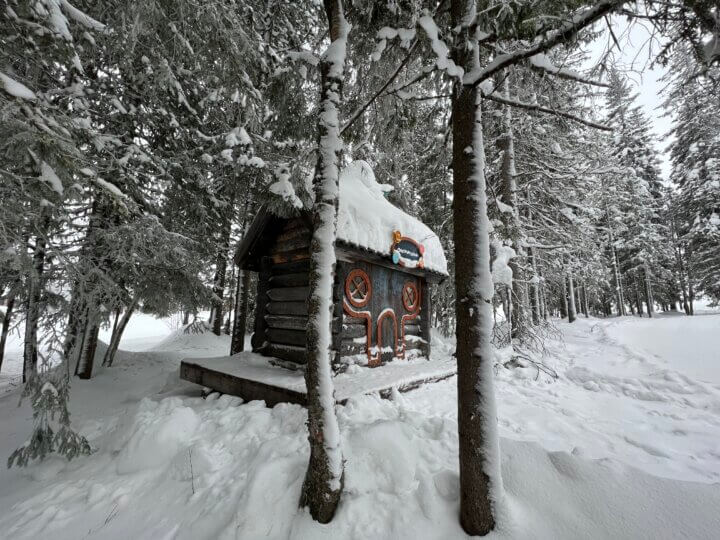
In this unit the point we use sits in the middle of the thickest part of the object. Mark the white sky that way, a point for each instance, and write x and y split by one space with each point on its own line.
638 46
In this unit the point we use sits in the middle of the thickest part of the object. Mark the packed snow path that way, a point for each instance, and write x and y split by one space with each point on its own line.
622 445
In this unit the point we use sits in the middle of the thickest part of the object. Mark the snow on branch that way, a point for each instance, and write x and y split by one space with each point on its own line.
427 23
540 62
539 108
358 112
16 89
560 35
82 18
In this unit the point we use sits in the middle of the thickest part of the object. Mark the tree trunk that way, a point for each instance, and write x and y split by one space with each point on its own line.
86 359
564 299
216 317
572 310
508 174
618 281
242 295
117 334
535 303
586 303
9 306
35 285
325 474
691 290
480 480
648 293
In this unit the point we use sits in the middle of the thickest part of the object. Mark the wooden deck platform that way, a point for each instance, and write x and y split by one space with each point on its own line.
252 377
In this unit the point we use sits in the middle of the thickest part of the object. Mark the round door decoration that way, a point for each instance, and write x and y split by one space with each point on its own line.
358 288
410 296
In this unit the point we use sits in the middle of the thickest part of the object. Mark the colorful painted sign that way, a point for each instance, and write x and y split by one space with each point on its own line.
406 252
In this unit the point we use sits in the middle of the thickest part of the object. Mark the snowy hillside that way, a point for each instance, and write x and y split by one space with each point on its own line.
622 445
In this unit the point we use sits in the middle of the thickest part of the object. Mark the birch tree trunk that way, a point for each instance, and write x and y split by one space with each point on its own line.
480 480
325 474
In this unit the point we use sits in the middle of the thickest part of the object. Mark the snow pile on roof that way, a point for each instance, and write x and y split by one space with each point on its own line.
367 219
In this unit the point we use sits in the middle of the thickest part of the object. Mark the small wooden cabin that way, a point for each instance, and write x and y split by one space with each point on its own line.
386 260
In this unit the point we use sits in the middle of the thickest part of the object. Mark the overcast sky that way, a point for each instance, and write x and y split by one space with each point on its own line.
638 48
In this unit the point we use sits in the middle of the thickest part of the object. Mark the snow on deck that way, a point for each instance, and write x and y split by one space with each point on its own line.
367 219
401 374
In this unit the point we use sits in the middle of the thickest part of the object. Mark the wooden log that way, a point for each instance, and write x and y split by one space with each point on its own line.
290 267
414 344
258 337
425 317
291 256
349 347
351 321
336 326
236 386
287 321
290 353
285 336
287 308
413 329
291 244
299 279
289 294
350 331
294 230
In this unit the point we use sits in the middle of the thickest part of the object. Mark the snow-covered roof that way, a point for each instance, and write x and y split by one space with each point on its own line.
367 219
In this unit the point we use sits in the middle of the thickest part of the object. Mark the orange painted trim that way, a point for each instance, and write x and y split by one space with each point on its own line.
349 280
387 313
365 315
409 316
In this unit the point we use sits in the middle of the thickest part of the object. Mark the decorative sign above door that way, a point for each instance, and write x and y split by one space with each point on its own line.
407 252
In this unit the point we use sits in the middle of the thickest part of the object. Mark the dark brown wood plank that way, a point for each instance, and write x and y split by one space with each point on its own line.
413 329
236 386
349 348
291 256
299 279
290 267
258 337
287 321
350 331
346 252
286 352
291 244
284 336
426 316
293 229
287 308
289 294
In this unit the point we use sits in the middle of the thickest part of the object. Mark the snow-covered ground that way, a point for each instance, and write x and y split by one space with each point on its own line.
623 444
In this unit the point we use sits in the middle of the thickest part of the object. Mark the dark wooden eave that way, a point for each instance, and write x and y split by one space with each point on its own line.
265 226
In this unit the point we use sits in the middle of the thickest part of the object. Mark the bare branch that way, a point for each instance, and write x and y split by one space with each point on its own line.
540 108
354 116
566 74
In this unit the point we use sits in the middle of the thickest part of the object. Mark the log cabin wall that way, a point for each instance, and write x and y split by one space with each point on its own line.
282 314
397 326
